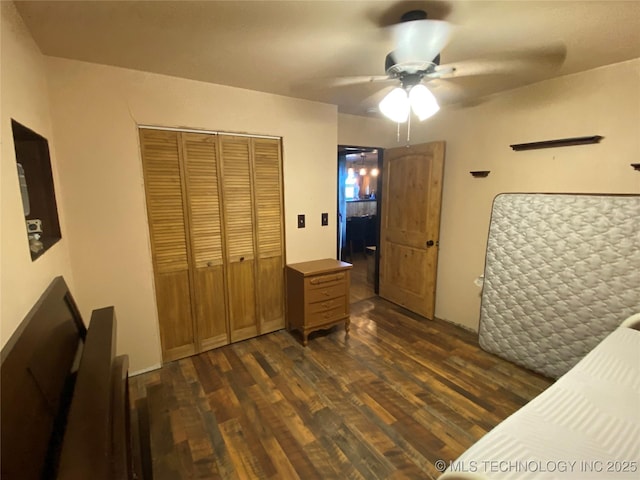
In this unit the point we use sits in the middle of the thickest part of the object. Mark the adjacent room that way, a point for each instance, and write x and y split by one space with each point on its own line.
313 239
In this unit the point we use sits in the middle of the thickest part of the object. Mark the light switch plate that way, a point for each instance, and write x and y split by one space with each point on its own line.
325 219
301 221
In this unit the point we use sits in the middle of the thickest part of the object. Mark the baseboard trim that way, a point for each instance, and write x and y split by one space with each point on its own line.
146 370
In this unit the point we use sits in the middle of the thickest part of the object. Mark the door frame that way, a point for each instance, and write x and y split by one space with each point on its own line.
376 282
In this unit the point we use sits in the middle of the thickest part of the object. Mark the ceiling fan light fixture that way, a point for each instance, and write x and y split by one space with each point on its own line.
420 40
395 105
422 102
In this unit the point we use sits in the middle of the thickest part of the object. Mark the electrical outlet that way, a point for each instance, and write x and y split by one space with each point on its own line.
301 221
325 219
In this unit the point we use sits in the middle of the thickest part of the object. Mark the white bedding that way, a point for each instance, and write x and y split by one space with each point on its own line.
586 425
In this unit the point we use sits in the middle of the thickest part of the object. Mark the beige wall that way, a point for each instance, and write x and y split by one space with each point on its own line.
96 110
99 186
605 101
24 97
365 131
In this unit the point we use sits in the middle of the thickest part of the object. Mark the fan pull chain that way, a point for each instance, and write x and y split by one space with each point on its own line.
408 130
398 134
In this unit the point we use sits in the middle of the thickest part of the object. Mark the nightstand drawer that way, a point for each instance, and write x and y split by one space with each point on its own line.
330 315
325 293
328 280
326 305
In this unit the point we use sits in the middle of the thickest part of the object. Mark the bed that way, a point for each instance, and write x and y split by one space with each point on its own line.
65 398
586 425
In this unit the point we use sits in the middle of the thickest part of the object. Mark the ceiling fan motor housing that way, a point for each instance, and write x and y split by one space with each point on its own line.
410 69
413 15
417 44
396 70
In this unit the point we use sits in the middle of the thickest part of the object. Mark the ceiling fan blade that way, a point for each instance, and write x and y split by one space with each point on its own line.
446 91
506 63
370 104
451 94
356 80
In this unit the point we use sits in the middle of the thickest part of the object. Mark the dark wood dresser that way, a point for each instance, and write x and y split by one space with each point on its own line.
317 295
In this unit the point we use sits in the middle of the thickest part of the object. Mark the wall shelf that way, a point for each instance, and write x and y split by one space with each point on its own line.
563 142
480 173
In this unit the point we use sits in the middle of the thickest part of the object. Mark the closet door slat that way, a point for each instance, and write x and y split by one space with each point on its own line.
169 244
270 245
200 153
239 235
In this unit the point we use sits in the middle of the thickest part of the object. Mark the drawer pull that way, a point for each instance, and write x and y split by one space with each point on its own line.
326 278
326 304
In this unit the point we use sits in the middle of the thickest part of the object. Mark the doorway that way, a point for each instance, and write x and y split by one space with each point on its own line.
358 235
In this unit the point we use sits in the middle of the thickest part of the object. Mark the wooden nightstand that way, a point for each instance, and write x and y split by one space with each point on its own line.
317 295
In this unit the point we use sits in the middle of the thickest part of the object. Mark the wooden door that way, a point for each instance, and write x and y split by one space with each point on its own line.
169 241
239 235
410 226
200 154
269 235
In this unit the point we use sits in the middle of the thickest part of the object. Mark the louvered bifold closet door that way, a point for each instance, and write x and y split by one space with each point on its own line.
170 249
270 246
239 235
200 153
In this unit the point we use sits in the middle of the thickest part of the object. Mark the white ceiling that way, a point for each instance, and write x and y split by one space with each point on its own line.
297 48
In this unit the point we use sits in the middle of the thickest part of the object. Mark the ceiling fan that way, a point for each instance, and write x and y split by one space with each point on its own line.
418 43
415 62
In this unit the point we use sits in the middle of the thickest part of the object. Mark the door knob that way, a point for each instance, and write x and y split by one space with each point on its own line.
430 243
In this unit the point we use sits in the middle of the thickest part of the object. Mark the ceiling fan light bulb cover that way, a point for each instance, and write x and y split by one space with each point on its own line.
395 105
422 102
420 40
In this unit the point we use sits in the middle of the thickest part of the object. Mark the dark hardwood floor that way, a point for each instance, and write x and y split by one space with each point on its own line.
387 401
360 288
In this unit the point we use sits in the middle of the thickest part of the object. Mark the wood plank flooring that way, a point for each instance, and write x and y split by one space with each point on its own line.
386 401
360 289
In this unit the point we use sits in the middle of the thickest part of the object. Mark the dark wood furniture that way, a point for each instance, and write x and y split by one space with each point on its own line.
65 397
317 295
361 233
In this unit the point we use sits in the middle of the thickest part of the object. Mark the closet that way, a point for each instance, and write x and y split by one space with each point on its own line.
214 204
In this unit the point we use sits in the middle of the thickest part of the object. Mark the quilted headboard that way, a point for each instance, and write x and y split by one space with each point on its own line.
562 271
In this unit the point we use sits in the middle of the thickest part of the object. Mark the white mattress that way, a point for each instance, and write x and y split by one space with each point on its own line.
561 271
586 425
